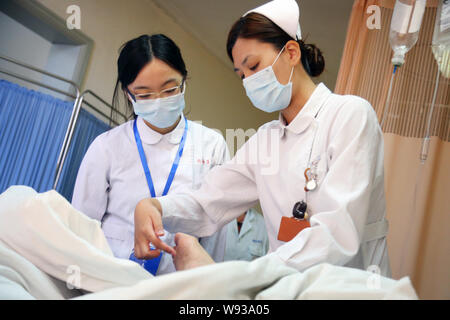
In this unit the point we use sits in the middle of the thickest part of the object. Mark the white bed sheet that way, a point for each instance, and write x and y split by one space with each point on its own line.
45 243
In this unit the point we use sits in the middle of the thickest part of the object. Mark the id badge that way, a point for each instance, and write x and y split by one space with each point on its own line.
290 227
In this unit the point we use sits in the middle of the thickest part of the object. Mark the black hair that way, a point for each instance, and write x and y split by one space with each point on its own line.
257 26
137 53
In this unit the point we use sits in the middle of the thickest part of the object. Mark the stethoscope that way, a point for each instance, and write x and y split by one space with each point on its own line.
300 208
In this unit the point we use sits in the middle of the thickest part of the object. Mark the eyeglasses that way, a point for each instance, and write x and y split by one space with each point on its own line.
154 95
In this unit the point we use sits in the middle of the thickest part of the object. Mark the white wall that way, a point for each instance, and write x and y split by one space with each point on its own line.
22 44
26 45
215 94
62 61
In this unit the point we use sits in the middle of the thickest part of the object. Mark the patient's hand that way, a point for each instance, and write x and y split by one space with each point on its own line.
189 253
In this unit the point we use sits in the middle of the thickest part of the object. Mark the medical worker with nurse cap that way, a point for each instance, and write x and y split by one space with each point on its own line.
317 170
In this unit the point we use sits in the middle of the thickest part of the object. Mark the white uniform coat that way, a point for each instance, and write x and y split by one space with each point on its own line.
111 180
251 242
347 208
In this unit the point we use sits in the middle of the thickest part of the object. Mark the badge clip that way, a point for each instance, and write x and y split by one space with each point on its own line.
290 227
310 178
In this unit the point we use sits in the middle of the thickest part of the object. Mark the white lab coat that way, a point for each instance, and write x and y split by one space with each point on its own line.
251 242
111 180
347 208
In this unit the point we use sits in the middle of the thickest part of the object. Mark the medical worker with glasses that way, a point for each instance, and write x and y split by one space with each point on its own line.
157 153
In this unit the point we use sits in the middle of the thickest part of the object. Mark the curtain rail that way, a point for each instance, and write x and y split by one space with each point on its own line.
70 95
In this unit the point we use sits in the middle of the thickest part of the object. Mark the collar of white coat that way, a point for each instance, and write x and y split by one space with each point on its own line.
150 136
248 222
307 114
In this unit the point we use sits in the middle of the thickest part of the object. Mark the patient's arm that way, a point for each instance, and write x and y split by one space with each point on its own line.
189 253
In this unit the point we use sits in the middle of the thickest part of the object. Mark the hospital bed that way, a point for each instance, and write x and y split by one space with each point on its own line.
49 250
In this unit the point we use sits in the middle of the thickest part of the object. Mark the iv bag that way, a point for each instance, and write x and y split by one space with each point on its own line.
441 38
405 26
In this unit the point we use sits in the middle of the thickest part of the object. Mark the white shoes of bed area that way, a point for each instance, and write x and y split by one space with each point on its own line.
48 249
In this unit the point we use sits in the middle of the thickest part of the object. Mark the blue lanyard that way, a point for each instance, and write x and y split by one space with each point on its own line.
145 165
152 265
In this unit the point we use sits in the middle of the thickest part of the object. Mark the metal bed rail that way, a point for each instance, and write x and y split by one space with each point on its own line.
71 129
78 101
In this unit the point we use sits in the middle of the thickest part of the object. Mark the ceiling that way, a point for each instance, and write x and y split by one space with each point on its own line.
323 22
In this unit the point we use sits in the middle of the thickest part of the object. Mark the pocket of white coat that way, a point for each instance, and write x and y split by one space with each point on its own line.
115 231
256 248
199 171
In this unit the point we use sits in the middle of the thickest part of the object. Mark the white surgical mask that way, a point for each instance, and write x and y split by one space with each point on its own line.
266 92
161 112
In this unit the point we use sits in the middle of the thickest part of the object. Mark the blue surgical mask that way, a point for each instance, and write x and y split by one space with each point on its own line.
161 112
266 92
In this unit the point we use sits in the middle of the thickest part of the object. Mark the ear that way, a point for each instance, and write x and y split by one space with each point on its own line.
294 52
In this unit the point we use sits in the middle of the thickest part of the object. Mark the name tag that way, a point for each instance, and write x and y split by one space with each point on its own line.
290 227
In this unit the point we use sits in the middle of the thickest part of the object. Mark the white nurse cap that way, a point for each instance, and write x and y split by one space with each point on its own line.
284 13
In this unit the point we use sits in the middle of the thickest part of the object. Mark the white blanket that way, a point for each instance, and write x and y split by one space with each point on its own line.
49 250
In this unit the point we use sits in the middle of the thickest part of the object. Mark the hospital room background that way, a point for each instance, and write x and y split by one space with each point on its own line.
49 72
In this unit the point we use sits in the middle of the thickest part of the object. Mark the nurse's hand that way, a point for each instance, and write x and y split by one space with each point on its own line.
147 229
190 254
